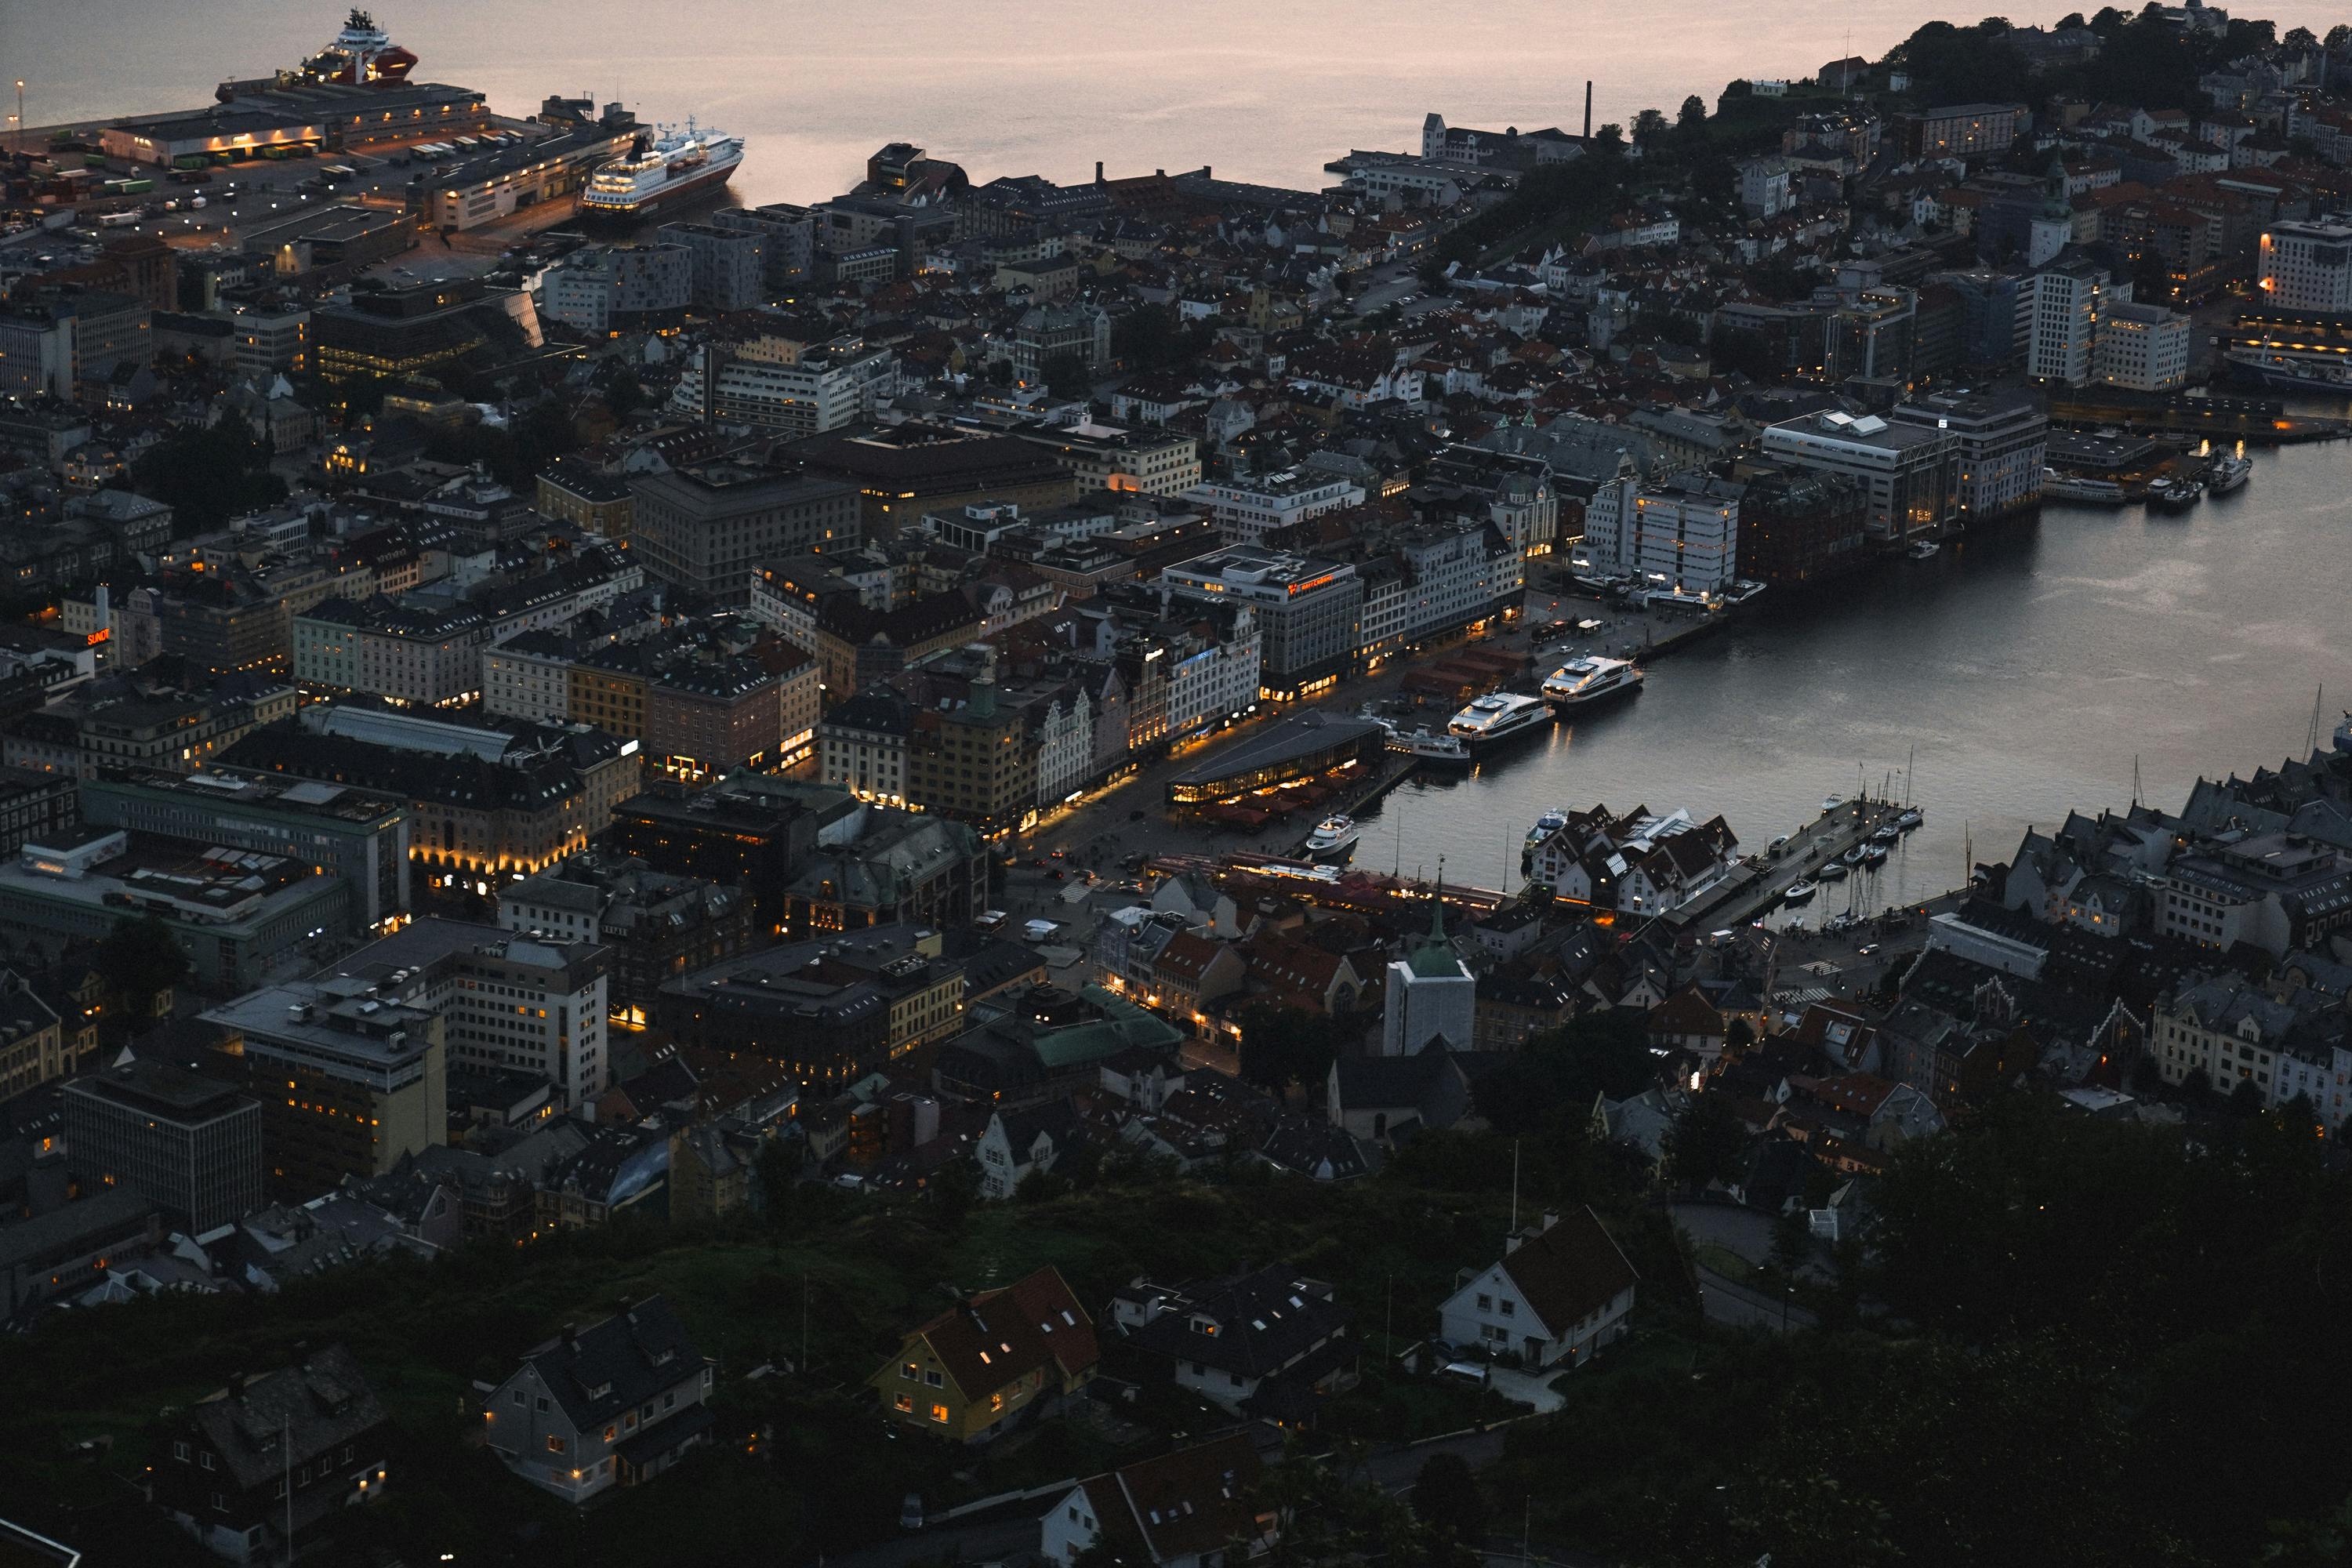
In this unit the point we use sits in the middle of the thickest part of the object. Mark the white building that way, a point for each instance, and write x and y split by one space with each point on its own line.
779 385
1911 473
528 677
1764 187
1246 511
2068 301
1064 740
1431 995
2142 348
507 1003
2004 439
1562 1291
1220 680
2307 267
1685 536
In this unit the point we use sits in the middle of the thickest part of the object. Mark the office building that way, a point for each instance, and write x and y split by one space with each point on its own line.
610 288
728 270
241 916
506 1002
2143 348
1247 510
968 761
787 239
2068 298
1681 537
189 1144
704 529
2307 267
360 835
2004 439
1911 473
772 384
1107 458
1307 611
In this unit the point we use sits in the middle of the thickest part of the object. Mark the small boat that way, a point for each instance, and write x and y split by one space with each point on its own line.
1335 835
1549 823
1886 836
2175 494
2228 474
1910 819
1831 803
1923 550
1855 856
1798 893
1438 750
1833 873
1873 854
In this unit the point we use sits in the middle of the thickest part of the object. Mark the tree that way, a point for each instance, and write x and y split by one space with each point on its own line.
1445 1497
207 477
1283 1045
1793 1243
1706 1141
1693 117
2339 35
955 1187
139 959
1609 137
1648 126
624 393
2300 38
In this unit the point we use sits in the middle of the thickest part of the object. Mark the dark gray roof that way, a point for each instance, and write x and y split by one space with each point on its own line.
317 1406
620 1363
1264 1320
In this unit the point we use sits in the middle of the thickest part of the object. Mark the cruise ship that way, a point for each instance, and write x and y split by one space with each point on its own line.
660 170
2277 370
1591 681
1504 716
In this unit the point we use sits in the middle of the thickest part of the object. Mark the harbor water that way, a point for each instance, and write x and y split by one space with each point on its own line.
2031 668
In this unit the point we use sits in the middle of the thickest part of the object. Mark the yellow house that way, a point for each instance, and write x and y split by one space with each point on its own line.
972 1372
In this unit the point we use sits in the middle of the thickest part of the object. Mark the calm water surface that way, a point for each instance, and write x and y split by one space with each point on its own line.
2029 668
1259 91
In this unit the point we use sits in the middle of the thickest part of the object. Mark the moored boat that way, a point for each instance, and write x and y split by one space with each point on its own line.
1498 716
1334 837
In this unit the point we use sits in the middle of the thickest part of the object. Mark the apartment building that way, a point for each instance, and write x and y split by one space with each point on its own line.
2307 267
1247 510
2142 348
772 384
704 529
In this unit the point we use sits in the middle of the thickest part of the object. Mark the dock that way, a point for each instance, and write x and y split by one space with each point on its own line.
1752 889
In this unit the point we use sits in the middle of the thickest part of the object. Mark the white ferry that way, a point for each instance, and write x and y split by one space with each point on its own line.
1591 681
1505 715
1335 835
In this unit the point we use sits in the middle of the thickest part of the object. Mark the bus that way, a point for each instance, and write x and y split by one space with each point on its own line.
338 173
117 220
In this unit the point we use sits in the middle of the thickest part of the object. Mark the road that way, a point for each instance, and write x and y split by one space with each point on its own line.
1741 1308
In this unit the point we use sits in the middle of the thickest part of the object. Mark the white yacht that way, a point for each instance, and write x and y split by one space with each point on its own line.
1798 893
1335 835
1549 823
1434 747
1591 681
1503 716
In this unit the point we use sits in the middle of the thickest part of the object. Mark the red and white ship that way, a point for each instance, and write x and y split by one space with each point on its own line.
660 170
362 55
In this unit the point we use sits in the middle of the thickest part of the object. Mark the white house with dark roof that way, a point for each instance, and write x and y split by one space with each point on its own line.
1190 1509
610 1405
1561 1290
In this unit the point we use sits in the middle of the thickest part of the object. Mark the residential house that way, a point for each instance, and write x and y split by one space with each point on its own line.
1196 1508
612 1405
1263 1344
225 1465
989 1362
1562 1291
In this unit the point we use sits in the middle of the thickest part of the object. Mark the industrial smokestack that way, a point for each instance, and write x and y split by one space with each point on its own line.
1587 108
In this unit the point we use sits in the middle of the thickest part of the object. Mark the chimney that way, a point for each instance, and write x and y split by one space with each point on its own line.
1098 179
1587 108
1511 1244
571 1337
1551 1218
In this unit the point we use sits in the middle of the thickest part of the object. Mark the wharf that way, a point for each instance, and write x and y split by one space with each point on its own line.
1394 770
1751 889
2257 421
